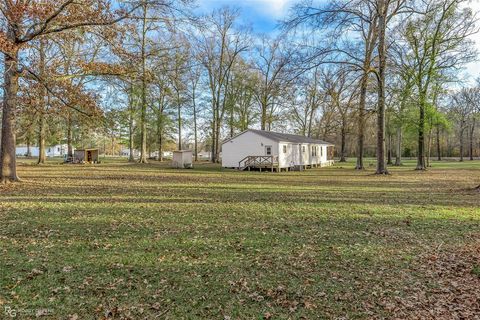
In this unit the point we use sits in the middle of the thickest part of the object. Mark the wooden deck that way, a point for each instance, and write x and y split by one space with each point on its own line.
259 162
270 163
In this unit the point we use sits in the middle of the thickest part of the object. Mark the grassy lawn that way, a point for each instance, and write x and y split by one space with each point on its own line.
128 241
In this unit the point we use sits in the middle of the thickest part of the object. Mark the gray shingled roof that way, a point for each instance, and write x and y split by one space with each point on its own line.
294 138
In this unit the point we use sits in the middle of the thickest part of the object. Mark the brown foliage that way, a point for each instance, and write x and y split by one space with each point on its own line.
6 45
451 289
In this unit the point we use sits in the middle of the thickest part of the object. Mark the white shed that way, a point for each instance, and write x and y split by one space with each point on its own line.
182 159
275 151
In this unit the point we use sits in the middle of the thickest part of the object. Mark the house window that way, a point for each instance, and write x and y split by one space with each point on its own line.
268 150
321 151
303 149
284 148
58 149
314 151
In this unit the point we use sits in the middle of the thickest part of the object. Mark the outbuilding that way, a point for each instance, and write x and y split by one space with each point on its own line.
182 159
85 156
267 150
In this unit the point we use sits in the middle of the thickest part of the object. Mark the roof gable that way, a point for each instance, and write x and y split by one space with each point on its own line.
285 137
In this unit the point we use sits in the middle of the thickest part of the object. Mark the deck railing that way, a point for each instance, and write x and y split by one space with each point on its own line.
258 162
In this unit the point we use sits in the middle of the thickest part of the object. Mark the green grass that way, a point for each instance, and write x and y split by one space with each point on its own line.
129 241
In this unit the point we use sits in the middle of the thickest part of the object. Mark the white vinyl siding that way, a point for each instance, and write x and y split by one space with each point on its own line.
244 145
289 154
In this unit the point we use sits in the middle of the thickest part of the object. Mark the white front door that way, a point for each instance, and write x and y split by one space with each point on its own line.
300 152
296 154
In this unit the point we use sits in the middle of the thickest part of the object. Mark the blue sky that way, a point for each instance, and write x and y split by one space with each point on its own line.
264 15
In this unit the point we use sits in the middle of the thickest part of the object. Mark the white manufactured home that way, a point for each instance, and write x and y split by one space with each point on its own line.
257 149
52 151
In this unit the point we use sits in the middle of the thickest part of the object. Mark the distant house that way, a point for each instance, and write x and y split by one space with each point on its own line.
257 149
153 154
204 155
57 151
167 154
22 151
52 151
126 153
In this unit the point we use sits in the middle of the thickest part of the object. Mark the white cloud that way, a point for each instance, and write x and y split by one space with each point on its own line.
275 8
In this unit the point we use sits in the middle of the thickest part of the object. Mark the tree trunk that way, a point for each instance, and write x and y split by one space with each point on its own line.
389 152
41 139
472 131
69 137
160 131
429 148
29 151
42 106
264 115
310 119
214 153
179 122
195 133
143 120
160 147
131 107
381 166
217 142
361 122
421 137
143 114
113 145
461 144
8 169
370 43
232 129
131 157
343 143
398 156
439 151
215 120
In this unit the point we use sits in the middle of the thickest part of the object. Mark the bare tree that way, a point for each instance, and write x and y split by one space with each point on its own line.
465 103
194 76
340 91
220 46
271 62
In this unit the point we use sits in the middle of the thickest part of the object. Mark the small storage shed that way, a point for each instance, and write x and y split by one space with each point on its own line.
85 156
182 159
